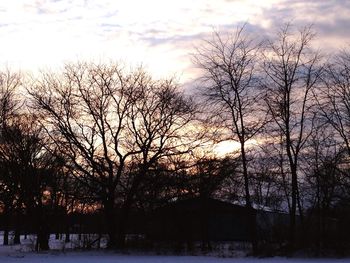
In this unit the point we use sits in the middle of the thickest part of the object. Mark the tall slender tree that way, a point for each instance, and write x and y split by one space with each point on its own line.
292 71
229 81
334 97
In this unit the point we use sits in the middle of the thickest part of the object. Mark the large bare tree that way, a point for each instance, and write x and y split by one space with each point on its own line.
113 126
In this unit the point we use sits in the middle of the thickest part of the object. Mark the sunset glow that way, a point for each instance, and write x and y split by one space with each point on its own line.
229 147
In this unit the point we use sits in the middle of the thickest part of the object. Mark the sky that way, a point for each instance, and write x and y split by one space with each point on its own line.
159 34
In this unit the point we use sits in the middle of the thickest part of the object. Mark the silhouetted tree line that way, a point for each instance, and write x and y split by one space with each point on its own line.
97 138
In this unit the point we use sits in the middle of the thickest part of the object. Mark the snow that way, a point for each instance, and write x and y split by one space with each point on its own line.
24 254
28 243
9 254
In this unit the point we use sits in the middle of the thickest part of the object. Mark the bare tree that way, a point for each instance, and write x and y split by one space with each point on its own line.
9 85
105 120
323 162
267 189
229 84
292 71
334 97
160 124
10 82
28 175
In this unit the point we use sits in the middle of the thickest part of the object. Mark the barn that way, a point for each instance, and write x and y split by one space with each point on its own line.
202 219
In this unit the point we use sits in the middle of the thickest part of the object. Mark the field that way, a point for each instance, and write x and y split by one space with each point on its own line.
24 253
109 257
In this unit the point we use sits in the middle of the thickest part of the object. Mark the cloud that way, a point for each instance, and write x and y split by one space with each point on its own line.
158 33
330 20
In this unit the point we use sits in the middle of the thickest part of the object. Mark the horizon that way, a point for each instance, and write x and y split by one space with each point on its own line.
240 101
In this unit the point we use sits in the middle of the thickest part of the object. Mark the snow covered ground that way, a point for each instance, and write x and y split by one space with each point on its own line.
28 243
24 254
10 254
93 257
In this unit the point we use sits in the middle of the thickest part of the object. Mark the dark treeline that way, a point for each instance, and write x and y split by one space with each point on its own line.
97 138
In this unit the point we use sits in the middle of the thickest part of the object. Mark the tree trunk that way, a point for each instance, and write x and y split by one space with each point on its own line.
42 240
17 238
6 227
42 229
293 169
112 241
122 224
6 236
110 223
245 176
125 211
124 217
292 233
121 235
67 237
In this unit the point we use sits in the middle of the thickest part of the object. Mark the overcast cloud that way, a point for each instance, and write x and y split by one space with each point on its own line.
158 33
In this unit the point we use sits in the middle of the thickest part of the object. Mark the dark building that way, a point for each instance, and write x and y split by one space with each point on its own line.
202 220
